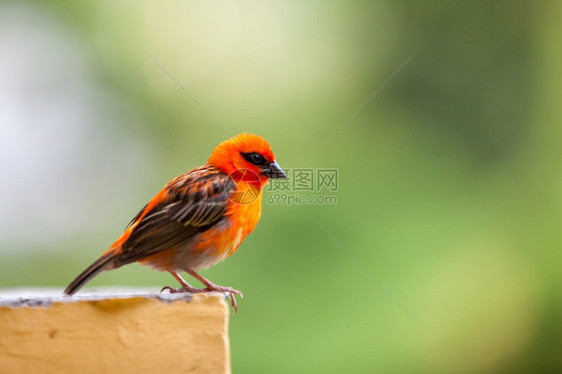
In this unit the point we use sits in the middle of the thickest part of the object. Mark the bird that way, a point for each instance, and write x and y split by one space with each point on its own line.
198 219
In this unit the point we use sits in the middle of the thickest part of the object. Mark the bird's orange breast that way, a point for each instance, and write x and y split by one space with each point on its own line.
243 214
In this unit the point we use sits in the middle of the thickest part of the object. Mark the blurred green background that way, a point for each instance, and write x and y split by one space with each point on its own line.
442 119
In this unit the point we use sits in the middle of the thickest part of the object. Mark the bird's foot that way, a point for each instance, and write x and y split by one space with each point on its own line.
231 293
211 288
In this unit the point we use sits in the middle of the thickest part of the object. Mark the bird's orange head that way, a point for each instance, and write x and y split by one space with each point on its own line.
247 157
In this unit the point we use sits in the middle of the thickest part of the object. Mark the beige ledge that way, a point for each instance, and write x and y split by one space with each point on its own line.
113 332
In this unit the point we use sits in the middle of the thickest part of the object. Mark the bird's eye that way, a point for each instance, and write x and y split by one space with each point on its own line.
257 158
254 158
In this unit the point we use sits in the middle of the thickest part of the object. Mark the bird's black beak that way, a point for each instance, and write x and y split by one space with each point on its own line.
274 171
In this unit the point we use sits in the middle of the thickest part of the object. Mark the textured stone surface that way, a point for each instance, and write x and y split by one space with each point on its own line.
113 332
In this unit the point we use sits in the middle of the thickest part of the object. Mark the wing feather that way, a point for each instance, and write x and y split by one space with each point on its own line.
193 203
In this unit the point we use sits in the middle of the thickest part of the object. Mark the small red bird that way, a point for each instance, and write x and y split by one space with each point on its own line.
198 219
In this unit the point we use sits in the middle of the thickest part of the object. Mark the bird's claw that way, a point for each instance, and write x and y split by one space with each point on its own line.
231 294
213 288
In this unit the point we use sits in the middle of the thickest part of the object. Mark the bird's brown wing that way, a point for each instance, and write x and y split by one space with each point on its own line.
191 203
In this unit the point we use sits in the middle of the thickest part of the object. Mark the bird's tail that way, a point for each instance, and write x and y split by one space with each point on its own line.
101 264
